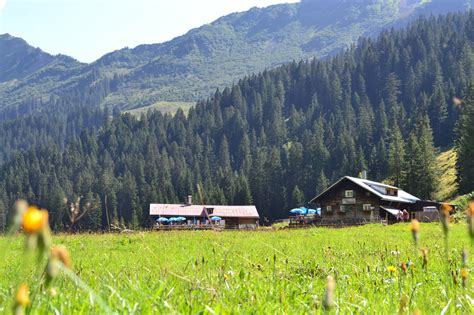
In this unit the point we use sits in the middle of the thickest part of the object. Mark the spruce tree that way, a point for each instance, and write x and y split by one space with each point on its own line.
465 144
297 197
396 156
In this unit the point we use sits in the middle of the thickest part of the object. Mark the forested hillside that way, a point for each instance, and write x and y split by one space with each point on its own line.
274 139
192 66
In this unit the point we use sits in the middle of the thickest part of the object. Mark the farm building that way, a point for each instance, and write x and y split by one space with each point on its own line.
229 217
357 201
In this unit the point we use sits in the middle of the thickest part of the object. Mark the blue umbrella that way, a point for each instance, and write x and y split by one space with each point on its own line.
312 211
297 211
173 219
162 219
305 210
180 219
216 218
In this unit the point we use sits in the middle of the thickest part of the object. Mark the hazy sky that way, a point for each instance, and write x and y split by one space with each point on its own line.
87 29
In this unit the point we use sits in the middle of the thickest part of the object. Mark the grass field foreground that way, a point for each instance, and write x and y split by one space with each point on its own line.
249 272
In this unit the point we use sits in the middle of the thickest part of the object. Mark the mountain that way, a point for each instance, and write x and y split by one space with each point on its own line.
213 56
274 139
20 60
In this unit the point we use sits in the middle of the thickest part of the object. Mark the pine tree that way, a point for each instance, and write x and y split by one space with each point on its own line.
412 175
421 176
322 183
429 181
297 197
396 156
465 144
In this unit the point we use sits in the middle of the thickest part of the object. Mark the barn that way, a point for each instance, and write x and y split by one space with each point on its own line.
231 217
353 201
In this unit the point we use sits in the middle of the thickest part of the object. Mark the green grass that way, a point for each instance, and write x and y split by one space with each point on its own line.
448 187
262 272
164 107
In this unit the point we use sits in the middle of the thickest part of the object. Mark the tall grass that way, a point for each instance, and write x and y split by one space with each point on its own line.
284 271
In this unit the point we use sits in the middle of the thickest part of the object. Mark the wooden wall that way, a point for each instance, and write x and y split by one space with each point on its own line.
354 213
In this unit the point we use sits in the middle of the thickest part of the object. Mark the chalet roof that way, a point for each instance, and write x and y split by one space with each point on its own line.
378 189
392 211
198 210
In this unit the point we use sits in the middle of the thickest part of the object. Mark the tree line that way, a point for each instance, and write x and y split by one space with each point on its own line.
274 139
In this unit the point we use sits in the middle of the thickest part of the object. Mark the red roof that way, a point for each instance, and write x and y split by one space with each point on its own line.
198 210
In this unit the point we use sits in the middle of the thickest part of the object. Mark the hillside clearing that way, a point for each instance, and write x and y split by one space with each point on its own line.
164 107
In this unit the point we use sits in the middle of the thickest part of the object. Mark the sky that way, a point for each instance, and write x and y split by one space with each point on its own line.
88 29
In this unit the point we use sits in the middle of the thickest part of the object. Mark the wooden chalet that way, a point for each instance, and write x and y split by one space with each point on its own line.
353 201
199 216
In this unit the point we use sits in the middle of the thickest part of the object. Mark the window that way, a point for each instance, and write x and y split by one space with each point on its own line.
392 192
367 207
329 208
342 208
349 194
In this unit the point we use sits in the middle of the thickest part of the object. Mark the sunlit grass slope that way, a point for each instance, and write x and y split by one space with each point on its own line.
448 187
263 272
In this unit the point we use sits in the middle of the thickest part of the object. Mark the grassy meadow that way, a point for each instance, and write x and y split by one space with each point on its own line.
164 107
266 271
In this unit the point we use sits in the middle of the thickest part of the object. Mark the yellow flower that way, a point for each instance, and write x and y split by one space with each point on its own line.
23 295
391 269
34 220
415 226
464 273
61 253
446 209
415 229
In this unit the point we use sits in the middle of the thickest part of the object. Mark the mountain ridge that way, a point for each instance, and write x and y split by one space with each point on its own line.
215 55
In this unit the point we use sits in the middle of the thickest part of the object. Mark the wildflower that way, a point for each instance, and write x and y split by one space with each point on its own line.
53 292
404 301
34 220
62 254
328 301
470 221
403 266
424 255
445 210
23 295
22 299
58 255
464 275
415 229
391 269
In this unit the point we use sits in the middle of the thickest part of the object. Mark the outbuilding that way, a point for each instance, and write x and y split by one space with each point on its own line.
230 217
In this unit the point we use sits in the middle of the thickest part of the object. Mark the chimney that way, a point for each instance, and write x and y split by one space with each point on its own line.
189 200
364 175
